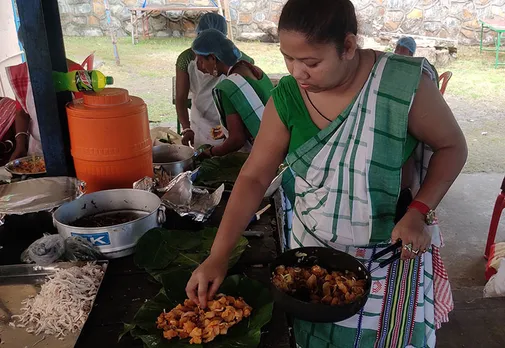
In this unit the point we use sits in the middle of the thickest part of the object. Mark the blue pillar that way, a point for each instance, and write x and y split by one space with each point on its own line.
45 52
16 23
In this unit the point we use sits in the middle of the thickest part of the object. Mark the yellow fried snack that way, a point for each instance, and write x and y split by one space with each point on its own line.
203 325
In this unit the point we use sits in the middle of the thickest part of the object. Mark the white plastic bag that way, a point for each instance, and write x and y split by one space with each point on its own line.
45 250
495 287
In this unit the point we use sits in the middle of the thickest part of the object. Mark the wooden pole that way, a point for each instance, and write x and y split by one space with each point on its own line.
133 31
227 15
45 52
112 32
219 7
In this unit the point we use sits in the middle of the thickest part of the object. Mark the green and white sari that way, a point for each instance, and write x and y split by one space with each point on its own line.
250 107
245 97
347 183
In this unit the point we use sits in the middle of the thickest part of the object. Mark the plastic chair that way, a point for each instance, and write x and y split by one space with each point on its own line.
495 219
444 80
88 62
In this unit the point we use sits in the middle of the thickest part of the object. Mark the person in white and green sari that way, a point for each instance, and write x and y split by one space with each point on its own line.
240 97
240 100
373 148
194 90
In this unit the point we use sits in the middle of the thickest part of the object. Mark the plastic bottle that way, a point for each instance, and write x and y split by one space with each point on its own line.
81 81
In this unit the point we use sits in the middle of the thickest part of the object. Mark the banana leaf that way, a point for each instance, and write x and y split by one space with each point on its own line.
159 250
246 334
221 170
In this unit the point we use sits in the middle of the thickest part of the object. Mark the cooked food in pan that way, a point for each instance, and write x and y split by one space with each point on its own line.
107 219
316 285
27 165
203 325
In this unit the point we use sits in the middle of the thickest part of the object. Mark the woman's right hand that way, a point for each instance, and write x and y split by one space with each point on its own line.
188 137
206 279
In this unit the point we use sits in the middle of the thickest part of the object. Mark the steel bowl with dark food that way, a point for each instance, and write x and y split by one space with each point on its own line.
299 302
173 159
112 220
29 165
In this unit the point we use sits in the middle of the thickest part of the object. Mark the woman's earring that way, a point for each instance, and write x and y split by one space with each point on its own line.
214 72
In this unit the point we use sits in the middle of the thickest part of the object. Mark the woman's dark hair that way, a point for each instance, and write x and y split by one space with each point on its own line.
322 21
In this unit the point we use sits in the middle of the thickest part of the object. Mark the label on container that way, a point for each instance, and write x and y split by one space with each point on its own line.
83 80
97 239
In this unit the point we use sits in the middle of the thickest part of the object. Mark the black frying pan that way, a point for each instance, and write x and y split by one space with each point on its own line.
332 260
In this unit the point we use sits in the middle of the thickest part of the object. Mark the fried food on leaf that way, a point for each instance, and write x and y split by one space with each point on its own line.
203 325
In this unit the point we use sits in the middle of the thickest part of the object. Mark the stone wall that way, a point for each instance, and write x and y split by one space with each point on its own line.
455 19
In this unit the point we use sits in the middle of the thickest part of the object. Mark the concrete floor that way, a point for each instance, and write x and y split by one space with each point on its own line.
464 216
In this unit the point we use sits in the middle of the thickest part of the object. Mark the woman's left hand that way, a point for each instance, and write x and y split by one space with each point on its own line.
411 230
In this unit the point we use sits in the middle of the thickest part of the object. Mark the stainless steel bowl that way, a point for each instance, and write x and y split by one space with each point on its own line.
116 240
13 166
174 159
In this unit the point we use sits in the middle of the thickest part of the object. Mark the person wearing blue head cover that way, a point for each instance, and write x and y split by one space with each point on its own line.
212 20
240 97
406 46
189 78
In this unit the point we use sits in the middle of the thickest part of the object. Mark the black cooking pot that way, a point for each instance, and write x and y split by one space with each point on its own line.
332 260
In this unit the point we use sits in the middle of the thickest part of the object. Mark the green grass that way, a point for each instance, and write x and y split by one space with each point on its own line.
479 89
474 76
147 68
476 90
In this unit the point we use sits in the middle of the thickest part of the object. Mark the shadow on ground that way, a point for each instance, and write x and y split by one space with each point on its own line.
464 216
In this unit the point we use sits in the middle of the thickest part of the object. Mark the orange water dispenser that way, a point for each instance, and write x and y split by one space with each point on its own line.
110 140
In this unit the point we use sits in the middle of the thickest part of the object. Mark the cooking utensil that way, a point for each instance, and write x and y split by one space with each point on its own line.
260 212
22 280
332 260
118 240
7 311
256 234
174 159
40 194
13 167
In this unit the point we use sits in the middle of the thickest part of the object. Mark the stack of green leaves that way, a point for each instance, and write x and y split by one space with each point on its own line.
170 257
161 250
221 170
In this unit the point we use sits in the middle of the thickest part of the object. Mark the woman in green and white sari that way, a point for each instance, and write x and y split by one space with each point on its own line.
240 98
362 131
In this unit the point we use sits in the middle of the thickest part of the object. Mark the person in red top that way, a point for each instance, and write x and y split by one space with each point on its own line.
27 136
7 117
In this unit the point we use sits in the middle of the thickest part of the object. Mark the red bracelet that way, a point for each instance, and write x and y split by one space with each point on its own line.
420 207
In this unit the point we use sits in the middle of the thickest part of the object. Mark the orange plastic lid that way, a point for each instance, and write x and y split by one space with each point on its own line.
108 103
106 97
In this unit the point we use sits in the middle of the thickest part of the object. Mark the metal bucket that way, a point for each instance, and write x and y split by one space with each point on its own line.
116 240
174 159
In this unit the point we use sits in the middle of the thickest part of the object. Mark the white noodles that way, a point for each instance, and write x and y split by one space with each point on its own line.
64 302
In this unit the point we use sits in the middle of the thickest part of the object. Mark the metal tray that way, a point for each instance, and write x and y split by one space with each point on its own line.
20 281
40 194
11 167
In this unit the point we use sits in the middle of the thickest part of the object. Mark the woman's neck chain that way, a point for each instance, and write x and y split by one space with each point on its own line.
319 112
